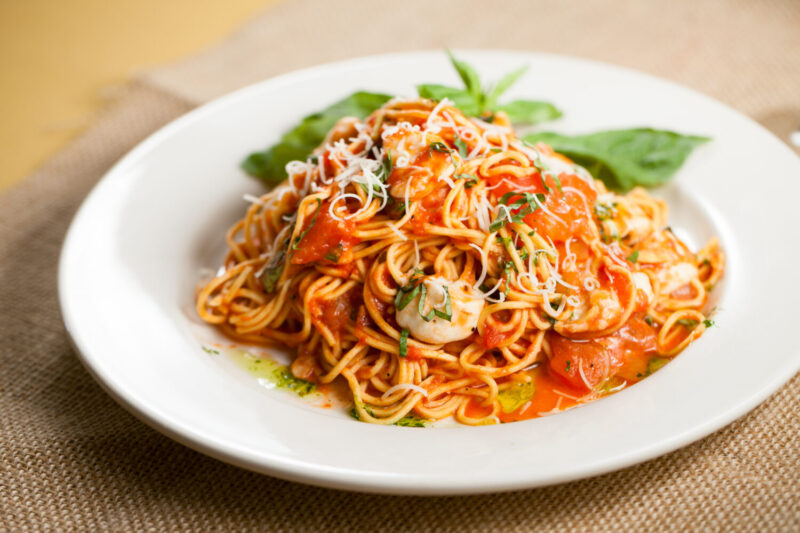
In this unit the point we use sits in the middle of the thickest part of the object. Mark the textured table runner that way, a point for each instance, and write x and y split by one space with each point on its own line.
72 459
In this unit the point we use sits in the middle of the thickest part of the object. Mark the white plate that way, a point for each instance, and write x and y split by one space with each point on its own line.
135 249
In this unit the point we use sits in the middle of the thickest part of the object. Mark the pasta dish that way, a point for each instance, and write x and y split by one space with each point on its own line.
441 266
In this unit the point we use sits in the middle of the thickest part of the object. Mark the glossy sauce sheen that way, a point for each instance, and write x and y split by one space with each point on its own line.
326 239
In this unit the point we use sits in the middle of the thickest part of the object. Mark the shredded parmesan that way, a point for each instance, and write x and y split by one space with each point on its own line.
404 386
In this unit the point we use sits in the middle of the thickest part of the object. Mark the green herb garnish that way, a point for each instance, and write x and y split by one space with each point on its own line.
623 159
526 203
604 211
313 221
333 255
297 144
688 323
412 421
447 314
634 256
271 274
473 100
403 343
463 151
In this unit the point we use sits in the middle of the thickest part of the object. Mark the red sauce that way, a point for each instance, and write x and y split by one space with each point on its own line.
327 236
413 353
474 409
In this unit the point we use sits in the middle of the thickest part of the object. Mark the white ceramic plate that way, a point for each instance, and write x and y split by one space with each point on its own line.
135 250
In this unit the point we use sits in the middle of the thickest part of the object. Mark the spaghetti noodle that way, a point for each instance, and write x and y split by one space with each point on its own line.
440 266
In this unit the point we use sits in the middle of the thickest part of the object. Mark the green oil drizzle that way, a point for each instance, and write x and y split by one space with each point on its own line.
272 374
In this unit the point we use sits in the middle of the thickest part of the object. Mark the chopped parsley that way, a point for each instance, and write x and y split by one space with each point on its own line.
271 275
634 256
525 203
439 147
447 314
412 421
463 151
403 343
604 211
334 254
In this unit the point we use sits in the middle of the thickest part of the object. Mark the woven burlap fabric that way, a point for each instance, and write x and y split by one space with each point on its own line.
71 459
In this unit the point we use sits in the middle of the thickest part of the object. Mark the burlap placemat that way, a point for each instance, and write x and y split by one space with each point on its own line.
71 459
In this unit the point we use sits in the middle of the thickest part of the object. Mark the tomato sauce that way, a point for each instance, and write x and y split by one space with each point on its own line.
413 353
327 239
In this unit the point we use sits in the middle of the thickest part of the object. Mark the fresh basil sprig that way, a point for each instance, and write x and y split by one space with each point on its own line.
624 159
270 165
477 101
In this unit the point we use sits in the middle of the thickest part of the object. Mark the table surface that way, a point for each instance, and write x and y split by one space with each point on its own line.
83 49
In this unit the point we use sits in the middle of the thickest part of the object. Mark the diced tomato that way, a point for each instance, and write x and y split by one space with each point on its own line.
570 357
326 237
575 215
336 314
601 357
429 209
492 337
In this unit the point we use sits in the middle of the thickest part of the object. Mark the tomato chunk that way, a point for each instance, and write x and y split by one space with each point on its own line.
586 364
326 239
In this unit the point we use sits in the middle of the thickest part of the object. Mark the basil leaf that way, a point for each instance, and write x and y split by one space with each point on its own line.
503 85
270 164
460 98
473 101
468 75
623 159
530 111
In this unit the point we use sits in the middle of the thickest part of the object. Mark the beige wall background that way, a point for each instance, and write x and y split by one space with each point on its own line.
60 62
